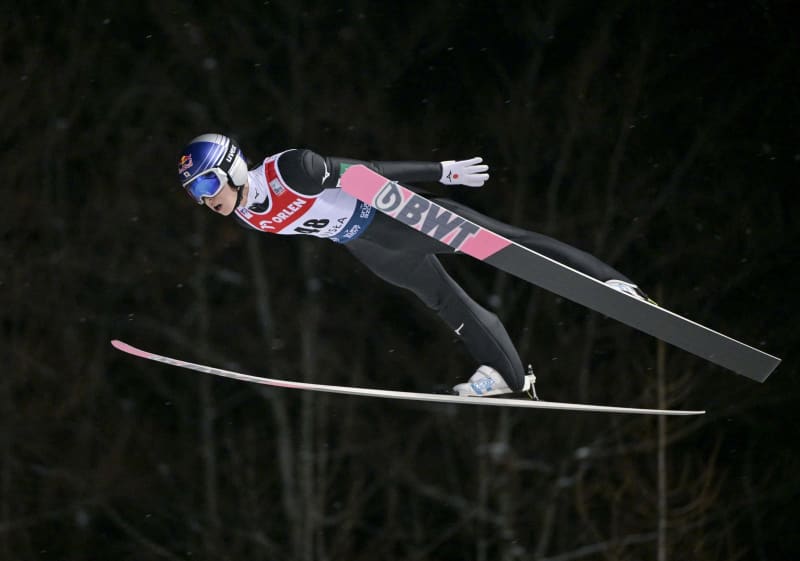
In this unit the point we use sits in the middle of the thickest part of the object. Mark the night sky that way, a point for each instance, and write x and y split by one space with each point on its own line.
660 136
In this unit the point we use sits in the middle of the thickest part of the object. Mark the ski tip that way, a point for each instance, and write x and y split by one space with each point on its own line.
353 177
126 348
354 170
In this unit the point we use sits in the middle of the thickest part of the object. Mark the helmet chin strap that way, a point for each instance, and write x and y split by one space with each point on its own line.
239 191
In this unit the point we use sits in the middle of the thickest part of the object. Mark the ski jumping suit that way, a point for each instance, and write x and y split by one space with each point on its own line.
296 192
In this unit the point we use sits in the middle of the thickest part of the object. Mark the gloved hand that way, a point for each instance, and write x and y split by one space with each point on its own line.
464 172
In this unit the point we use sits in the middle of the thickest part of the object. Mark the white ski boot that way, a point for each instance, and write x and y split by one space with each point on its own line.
487 381
630 289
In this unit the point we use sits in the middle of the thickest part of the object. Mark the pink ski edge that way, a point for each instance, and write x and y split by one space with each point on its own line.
352 185
130 349
484 244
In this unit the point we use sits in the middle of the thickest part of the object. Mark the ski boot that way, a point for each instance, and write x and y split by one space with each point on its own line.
487 381
631 290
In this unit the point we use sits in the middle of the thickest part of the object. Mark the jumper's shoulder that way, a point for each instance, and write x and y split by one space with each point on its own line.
303 170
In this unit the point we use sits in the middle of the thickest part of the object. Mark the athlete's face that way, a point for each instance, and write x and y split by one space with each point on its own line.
223 202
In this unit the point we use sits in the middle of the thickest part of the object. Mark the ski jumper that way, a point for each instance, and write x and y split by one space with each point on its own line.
296 192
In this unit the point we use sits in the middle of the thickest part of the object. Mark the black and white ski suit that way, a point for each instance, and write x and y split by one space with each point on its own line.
407 258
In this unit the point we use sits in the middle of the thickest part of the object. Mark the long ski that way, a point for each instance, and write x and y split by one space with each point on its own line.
466 237
388 394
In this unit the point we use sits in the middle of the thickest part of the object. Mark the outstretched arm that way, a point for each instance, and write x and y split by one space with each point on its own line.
309 173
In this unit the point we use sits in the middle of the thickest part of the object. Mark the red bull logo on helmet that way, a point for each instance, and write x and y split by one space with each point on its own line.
184 163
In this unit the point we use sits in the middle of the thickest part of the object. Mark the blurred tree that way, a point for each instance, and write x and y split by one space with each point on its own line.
657 136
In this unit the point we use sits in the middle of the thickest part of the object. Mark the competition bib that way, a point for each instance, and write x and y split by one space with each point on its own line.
331 214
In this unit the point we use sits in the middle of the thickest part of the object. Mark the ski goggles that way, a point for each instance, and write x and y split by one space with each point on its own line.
207 184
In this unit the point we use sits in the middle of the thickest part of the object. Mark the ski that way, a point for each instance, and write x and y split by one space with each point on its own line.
467 237
389 394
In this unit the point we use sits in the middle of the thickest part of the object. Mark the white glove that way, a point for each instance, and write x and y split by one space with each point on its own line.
464 172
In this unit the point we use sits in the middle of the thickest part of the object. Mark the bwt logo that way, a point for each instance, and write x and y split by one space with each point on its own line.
423 215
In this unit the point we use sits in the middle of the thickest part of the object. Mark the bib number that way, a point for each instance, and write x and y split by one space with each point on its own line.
312 226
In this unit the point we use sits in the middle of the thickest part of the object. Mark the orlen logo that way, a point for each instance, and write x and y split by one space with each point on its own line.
185 163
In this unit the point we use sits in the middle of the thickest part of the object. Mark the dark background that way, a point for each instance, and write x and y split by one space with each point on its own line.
661 136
